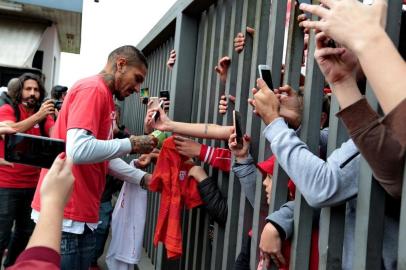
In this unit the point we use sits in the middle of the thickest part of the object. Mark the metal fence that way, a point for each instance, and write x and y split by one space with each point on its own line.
201 32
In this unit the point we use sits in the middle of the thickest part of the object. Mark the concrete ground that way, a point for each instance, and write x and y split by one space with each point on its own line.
145 263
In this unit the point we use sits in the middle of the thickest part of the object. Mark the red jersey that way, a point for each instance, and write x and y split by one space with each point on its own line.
20 176
88 105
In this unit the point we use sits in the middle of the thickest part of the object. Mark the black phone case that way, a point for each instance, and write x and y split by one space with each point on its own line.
32 150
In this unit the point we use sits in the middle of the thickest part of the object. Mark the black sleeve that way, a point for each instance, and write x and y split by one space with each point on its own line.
214 201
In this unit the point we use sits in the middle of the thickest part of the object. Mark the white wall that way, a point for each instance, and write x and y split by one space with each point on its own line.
51 48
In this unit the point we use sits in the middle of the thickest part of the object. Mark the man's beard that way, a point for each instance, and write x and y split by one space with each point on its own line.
30 102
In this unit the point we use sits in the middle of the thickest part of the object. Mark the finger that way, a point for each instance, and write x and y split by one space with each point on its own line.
4 162
223 97
280 258
285 89
217 69
320 39
301 17
231 98
329 3
315 10
250 30
261 84
179 138
254 91
319 25
247 138
58 163
7 130
223 102
329 52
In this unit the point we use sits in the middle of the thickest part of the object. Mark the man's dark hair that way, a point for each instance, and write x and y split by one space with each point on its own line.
16 92
132 54
57 91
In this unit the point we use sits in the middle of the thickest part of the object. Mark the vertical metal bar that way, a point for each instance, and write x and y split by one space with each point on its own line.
274 35
303 216
371 197
332 220
402 225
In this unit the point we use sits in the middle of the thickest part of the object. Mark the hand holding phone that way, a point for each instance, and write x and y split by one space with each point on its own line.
238 129
265 73
156 113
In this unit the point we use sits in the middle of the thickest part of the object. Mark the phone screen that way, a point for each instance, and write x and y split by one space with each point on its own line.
32 150
266 76
238 129
164 94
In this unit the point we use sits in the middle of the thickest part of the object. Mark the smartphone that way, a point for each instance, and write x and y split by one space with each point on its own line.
144 95
265 73
164 94
238 129
32 150
156 114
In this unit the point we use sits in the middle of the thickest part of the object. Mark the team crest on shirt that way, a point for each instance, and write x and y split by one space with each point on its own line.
182 175
36 126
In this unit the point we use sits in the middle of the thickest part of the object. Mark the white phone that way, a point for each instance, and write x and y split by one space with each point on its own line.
265 73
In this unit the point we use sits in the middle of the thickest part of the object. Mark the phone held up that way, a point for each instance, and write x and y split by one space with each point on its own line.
265 74
238 129
164 94
156 104
32 150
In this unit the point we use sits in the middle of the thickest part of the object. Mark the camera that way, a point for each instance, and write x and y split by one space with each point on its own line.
58 104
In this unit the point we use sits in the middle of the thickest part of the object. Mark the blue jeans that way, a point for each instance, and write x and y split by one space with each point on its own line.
102 231
77 250
15 206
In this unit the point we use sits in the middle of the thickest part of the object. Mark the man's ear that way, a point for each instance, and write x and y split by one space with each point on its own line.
120 64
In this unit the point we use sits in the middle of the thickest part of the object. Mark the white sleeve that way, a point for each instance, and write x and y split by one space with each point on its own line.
83 147
118 168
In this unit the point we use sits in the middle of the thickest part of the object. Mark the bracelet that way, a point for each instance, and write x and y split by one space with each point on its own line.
143 184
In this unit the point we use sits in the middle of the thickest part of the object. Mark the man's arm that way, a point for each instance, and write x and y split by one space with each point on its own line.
322 183
377 144
83 147
246 172
47 108
119 169
198 130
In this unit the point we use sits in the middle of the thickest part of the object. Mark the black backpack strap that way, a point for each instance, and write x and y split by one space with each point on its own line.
42 128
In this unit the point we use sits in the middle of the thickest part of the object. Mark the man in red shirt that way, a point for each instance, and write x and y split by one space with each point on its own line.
18 182
85 122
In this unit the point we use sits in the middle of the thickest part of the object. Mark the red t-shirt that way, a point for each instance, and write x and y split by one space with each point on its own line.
20 176
88 105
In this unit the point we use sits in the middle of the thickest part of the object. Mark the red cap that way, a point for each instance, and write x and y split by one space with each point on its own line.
266 166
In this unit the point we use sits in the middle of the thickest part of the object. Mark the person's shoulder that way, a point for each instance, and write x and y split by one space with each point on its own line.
93 83
6 108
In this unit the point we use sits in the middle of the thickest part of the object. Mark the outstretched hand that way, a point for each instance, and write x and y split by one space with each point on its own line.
239 153
222 68
265 103
223 103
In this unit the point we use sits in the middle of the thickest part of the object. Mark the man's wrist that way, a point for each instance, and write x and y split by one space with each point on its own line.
270 118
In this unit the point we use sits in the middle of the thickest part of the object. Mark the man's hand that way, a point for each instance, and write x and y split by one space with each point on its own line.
198 173
58 182
187 147
143 144
270 246
265 103
239 153
239 40
172 59
290 105
46 109
163 123
143 161
350 23
223 103
336 64
222 68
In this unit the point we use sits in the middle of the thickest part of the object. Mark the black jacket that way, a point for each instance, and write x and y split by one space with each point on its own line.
214 201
